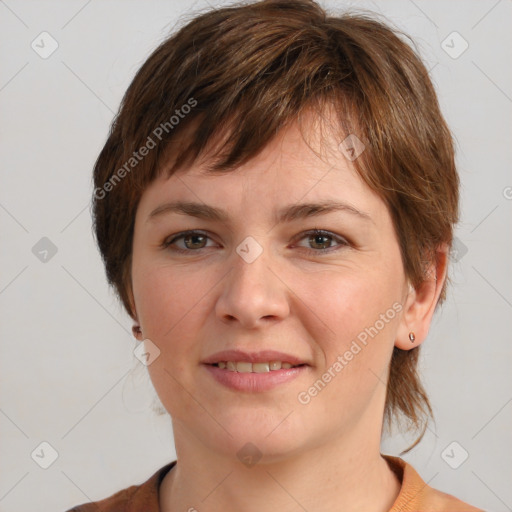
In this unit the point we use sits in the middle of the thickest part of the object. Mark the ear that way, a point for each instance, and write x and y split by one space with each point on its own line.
420 303
133 313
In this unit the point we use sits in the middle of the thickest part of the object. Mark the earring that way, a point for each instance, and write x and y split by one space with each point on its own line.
136 330
412 337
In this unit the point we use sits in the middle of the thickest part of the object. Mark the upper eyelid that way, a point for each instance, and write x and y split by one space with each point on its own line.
320 231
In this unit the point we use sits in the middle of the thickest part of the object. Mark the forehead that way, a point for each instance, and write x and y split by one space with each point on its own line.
303 163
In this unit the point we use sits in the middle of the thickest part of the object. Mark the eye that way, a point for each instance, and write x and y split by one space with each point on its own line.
193 241
319 239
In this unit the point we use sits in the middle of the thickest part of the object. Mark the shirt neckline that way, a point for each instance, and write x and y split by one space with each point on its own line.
412 487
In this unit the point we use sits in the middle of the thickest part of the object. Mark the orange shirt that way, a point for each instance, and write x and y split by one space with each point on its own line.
415 495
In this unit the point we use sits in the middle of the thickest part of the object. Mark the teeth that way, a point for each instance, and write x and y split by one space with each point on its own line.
260 367
247 367
243 367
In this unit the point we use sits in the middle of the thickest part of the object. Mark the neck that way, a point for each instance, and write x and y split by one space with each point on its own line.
346 474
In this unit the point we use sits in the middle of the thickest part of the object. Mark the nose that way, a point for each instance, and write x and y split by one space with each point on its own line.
253 293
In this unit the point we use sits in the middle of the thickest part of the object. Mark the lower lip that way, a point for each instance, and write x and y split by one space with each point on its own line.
254 382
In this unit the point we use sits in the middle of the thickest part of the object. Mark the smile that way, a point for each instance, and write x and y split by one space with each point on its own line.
254 377
248 367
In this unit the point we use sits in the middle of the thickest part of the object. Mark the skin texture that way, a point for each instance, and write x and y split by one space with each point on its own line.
323 455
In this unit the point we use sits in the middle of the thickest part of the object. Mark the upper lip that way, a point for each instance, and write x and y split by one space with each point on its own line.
253 357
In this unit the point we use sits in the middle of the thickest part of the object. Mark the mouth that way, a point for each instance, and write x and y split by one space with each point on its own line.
248 367
254 362
254 372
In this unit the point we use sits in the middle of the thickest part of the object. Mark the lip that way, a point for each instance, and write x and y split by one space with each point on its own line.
254 382
254 357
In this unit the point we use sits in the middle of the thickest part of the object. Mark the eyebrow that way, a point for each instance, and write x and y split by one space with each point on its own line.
286 214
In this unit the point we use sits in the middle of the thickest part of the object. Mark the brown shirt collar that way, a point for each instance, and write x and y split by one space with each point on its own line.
415 495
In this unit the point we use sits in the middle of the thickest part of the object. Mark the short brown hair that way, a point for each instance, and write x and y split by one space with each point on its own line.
256 67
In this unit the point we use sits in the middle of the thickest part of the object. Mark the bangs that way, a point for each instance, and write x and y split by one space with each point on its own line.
222 146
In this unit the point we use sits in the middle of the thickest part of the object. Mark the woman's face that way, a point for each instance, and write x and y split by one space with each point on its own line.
255 280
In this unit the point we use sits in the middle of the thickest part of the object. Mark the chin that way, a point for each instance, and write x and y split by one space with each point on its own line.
266 439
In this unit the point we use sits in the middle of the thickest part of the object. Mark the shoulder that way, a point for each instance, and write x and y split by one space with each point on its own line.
135 498
117 502
416 495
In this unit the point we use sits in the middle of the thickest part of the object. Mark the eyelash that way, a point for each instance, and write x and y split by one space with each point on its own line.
312 232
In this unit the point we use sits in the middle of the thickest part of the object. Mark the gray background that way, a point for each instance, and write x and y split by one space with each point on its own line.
68 373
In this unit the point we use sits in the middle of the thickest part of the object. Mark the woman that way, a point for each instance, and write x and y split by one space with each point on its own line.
274 206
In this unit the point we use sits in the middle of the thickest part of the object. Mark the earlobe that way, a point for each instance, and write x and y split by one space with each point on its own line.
137 332
421 302
136 329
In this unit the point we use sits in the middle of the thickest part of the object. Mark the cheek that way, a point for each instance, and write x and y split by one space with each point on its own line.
350 303
357 346
167 298
171 312
359 318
